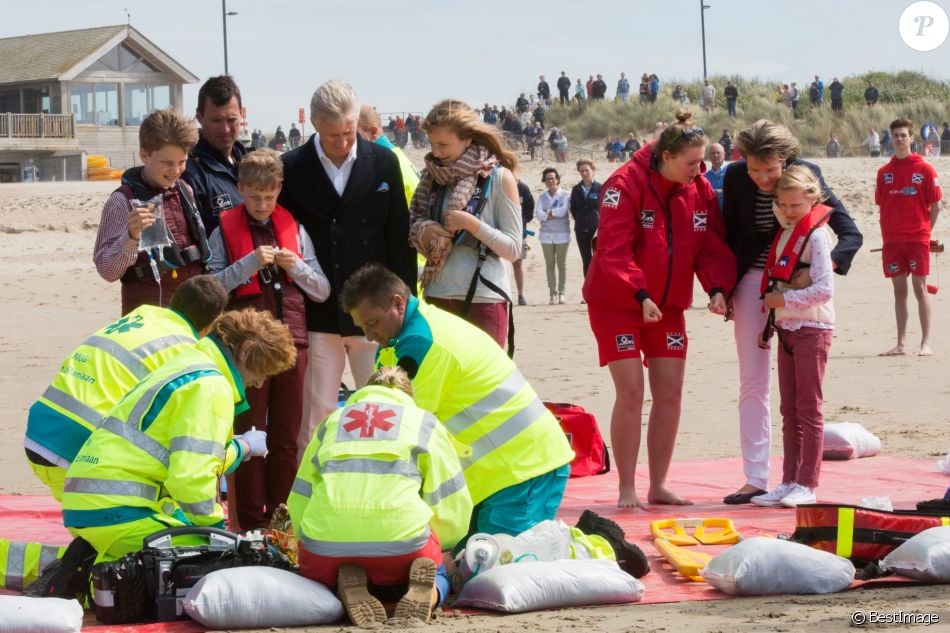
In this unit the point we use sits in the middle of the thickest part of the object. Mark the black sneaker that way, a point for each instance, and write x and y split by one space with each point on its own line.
630 558
67 577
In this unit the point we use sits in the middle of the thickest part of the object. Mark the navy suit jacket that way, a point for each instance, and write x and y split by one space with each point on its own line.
369 223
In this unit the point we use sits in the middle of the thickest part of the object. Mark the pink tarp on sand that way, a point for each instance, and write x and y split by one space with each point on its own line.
906 481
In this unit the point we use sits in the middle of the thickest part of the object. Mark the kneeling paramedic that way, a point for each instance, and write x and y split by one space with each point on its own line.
105 367
378 495
518 459
155 460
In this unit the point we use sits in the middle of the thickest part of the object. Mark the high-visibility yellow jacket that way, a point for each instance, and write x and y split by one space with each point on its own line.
98 373
21 563
161 450
378 477
459 373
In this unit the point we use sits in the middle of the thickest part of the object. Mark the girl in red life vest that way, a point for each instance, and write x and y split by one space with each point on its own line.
266 261
804 319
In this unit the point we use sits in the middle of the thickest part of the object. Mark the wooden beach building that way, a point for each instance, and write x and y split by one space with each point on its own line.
70 94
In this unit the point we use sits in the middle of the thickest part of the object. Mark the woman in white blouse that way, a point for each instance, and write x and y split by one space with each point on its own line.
555 234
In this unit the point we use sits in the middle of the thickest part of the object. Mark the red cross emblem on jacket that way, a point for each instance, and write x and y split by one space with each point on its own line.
368 419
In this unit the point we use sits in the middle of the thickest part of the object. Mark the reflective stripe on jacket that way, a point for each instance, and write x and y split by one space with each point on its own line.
21 563
162 449
476 391
378 475
98 373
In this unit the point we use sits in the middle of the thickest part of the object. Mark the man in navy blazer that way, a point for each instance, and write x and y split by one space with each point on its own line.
348 194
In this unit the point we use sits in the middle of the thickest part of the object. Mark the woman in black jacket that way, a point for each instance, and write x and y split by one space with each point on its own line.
767 149
585 201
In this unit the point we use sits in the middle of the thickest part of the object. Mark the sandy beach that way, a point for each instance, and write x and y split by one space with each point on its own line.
55 298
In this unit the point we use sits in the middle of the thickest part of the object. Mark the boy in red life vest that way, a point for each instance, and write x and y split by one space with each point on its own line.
804 319
266 261
908 194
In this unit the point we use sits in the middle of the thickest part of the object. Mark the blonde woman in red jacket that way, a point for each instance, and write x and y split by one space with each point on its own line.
659 225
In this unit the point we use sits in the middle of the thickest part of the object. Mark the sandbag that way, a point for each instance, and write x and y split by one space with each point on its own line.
926 556
260 597
550 585
762 566
21 614
849 440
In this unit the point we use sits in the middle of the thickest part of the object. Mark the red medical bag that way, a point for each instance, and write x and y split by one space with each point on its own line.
580 427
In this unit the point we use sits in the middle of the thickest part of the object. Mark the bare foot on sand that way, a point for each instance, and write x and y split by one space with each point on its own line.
925 350
897 350
628 498
665 496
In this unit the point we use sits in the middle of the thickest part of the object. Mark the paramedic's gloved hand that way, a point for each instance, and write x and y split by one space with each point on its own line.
256 443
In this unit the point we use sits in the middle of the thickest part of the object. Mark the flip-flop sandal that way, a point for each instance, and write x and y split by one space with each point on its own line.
417 603
739 498
360 605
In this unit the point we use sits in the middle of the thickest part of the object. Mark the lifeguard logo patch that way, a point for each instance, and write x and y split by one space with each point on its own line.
675 342
221 202
699 220
888 178
912 263
646 218
893 267
625 343
909 191
783 261
917 179
611 198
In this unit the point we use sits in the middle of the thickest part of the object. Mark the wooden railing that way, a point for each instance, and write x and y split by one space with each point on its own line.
37 125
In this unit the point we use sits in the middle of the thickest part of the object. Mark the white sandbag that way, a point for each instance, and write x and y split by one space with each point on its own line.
761 566
22 614
260 597
925 556
550 585
849 440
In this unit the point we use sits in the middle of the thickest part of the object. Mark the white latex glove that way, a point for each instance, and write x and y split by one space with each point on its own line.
256 443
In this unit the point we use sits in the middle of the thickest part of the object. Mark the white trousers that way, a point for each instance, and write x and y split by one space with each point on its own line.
755 376
326 359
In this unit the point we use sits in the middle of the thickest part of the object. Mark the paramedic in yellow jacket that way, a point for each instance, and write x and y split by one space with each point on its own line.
105 367
381 488
518 458
155 460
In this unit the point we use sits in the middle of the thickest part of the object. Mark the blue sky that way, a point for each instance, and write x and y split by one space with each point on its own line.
406 54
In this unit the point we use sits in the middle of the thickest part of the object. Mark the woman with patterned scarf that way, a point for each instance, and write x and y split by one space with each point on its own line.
467 206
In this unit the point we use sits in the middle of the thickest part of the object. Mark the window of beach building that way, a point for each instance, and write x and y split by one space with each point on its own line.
107 104
10 100
82 103
142 99
123 59
32 100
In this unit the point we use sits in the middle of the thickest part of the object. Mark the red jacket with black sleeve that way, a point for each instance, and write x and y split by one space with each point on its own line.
649 247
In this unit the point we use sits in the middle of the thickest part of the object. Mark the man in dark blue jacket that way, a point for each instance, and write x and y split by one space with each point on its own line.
212 169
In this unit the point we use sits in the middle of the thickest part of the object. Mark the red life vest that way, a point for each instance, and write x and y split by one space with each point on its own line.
237 239
782 267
